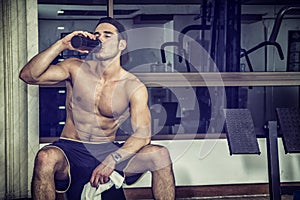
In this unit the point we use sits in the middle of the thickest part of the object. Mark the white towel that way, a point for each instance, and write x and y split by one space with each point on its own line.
91 193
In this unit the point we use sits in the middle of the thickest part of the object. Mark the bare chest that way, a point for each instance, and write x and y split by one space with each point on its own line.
111 99
96 97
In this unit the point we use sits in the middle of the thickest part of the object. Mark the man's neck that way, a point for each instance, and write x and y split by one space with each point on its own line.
109 70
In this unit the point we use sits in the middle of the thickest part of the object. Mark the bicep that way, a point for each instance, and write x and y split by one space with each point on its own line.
60 72
140 113
54 74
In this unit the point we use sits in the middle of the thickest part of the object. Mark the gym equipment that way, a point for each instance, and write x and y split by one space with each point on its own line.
273 36
240 132
289 123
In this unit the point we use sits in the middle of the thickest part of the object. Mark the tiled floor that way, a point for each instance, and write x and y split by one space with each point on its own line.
257 197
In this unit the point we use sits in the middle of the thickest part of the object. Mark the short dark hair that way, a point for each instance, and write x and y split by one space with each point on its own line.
121 29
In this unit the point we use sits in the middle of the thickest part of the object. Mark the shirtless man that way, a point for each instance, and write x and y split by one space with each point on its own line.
100 96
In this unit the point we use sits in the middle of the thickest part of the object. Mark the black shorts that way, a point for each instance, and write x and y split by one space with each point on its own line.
83 158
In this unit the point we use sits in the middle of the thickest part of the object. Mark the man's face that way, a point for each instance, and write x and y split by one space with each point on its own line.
111 46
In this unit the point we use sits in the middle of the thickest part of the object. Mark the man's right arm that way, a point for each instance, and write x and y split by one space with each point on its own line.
39 69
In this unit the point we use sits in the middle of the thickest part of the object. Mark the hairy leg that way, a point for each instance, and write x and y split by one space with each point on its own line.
156 159
49 163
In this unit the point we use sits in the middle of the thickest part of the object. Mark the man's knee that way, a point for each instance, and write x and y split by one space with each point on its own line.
159 156
47 159
162 153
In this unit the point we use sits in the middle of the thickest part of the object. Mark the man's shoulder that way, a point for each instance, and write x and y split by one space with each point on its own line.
75 60
133 83
132 80
131 77
71 62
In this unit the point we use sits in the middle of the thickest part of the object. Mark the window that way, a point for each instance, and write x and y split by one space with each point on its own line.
168 38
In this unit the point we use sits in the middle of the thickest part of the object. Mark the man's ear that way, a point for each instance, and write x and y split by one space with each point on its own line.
122 45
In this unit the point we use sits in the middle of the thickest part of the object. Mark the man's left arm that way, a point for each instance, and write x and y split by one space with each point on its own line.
140 122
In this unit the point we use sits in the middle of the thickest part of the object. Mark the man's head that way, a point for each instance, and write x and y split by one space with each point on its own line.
107 28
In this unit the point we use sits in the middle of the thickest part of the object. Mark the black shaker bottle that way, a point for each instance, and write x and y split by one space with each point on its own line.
85 43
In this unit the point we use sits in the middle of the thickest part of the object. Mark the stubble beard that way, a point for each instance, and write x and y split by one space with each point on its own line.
100 56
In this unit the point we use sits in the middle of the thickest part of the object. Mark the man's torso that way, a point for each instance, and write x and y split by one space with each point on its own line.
96 108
